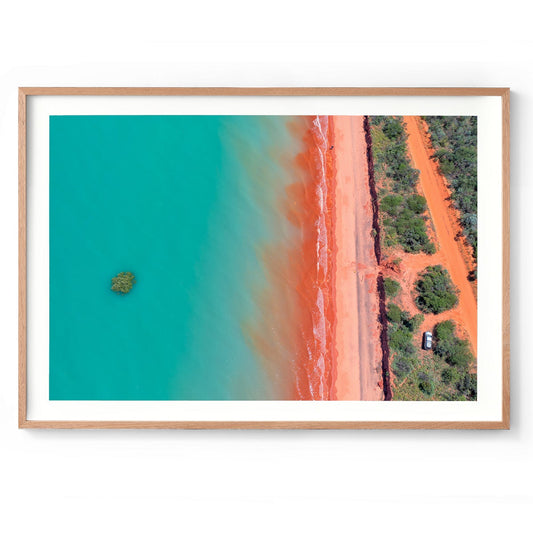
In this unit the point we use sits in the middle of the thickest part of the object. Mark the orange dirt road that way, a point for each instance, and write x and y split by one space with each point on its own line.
436 192
356 299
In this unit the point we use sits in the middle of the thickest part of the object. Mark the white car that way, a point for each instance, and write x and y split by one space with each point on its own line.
427 340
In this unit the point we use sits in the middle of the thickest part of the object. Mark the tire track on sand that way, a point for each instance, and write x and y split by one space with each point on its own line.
437 193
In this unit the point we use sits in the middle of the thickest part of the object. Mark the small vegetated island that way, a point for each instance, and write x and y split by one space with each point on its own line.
447 372
123 282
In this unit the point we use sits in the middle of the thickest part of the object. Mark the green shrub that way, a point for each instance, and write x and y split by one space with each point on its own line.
455 351
391 153
436 292
455 143
402 211
468 386
415 322
449 375
123 282
444 331
426 384
417 204
427 387
429 248
461 355
394 313
405 223
401 366
400 334
393 129
391 204
400 339
392 287
411 230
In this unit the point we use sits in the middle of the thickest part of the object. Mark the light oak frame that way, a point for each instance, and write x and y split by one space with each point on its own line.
504 93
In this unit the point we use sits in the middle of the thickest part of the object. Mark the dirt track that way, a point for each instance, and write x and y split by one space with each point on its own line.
444 219
357 331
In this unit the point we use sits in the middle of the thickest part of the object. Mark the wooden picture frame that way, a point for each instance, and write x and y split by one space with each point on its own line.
28 92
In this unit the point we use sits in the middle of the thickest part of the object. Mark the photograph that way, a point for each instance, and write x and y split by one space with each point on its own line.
263 257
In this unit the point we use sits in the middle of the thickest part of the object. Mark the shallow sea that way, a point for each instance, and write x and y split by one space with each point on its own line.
186 203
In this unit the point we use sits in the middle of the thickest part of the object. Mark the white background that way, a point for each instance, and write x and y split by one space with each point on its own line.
266 480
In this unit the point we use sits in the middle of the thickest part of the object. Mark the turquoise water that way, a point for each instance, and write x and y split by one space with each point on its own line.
185 203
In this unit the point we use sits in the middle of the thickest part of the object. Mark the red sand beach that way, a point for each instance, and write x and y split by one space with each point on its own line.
335 268
322 308
314 263
356 299
327 280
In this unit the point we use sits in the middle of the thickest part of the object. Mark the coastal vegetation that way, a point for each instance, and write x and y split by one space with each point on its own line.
402 211
390 153
455 142
435 291
123 282
445 371
417 373
426 384
446 375
392 287
456 353
405 223
453 350
401 329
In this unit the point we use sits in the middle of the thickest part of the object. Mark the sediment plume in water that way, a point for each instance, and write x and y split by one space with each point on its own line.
297 323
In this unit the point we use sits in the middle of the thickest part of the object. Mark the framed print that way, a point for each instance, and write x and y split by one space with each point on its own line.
264 258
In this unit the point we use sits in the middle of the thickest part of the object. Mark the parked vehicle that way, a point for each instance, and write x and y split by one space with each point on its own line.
427 340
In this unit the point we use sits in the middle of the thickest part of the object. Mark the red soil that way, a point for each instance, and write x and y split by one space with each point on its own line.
451 252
